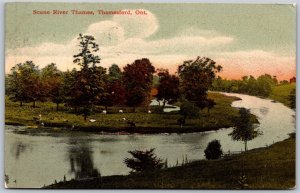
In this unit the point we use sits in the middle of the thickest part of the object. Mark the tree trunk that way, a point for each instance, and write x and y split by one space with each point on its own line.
184 118
57 104
245 145
106 109
85 116
21 103
33 105
163 105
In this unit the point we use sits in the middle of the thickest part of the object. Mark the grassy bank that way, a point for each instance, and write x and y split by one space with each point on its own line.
219 117
265 168
281 93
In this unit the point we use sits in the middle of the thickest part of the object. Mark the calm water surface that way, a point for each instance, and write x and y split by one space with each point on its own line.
34 160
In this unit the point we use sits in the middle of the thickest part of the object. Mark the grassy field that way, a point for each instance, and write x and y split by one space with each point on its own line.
219 117
280 93
264 168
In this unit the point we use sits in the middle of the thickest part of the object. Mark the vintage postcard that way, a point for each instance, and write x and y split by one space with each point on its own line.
150 96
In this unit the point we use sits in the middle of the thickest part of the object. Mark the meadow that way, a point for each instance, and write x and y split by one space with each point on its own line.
281 93
220 116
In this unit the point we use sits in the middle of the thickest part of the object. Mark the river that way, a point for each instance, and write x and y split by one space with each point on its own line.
34 160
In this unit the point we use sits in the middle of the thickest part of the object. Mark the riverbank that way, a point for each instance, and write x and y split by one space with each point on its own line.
220 116
281 93
270 167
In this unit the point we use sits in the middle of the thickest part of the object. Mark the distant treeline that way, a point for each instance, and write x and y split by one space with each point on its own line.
260 86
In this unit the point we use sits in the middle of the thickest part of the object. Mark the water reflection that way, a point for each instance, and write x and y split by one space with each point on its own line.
81 160
18 148
34 160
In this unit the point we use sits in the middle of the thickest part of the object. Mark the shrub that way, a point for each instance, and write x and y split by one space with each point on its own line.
143 161
213 150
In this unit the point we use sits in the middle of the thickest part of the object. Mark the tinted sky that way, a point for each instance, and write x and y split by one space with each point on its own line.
244 39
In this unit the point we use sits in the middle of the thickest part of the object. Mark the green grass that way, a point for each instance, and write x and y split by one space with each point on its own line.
280 93
265 168
219 117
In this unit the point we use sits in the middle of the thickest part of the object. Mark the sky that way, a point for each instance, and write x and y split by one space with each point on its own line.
245 39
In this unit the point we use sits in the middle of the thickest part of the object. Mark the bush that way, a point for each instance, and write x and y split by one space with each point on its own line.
213 150
143 161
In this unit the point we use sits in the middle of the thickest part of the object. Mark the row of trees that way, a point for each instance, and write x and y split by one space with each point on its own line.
261 86
92 85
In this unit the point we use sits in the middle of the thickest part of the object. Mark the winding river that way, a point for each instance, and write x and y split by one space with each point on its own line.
35 160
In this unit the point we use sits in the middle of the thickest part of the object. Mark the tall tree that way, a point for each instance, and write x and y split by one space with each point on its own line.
52 80
24 83
210 103
137 78
114 72
195 79
69 79
188 110
86 58
168 88
114 89
265 83
244 130
90 80
114 94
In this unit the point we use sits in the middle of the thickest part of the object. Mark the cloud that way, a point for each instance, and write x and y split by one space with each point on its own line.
195 31
107 33
184 44
125 38
138 26
122 40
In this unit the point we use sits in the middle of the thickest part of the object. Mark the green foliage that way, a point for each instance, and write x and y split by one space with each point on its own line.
292 98
281 93
87 89
265 83
24 83
210 103
262 86
52 84
114 91
86 57
143 161
284 82
244 130
189 110
90 80
114 72
213 150
196 78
